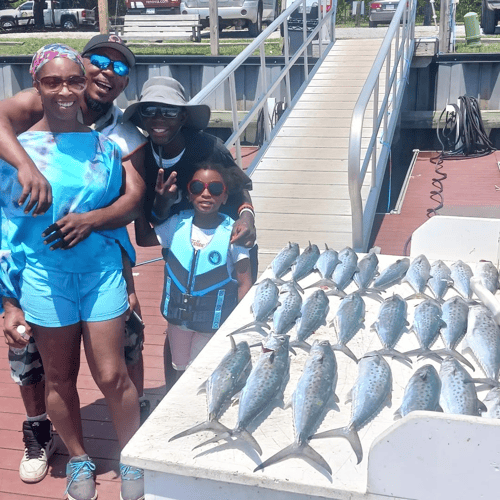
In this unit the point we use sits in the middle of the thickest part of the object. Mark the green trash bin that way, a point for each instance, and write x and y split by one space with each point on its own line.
472 33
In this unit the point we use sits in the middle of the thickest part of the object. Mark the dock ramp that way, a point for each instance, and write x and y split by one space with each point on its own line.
300 188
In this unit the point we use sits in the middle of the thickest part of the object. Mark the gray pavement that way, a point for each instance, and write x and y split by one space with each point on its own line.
341 33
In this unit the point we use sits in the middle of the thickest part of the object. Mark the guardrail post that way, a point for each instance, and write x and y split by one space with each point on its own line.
234 111
288 93
376 91
263 90
304 38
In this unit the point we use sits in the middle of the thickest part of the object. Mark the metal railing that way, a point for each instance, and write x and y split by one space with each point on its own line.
324 31
393 58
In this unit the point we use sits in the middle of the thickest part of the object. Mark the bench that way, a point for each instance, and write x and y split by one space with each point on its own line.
158 27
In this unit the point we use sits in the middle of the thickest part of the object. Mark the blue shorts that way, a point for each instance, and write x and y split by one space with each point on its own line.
54 298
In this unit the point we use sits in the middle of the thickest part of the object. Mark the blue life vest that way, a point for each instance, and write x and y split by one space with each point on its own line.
199 292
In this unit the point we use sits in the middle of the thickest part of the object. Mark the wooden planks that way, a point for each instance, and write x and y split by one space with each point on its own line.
300 186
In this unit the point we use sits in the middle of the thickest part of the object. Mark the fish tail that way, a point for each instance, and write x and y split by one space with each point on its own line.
246 436
322 282
372 294
345 432
278 281
456 355
213 425
296 450
487 383
218 437
399 356
301 344
345 350
241 328
424 353
297 286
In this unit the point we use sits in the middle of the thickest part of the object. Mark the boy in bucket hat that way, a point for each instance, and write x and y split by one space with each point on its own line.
176 144
107 77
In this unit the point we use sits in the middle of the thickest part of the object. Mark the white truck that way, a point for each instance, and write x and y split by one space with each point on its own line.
55 13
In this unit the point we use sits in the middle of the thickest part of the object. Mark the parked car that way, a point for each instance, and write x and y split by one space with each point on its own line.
63 15
153 6
382 12
249 14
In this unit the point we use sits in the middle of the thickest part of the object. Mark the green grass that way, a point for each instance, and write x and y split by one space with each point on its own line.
485 48
226 48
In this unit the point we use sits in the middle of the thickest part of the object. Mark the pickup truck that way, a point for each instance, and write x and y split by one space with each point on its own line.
62 15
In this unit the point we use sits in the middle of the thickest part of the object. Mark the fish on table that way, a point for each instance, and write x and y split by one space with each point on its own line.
367 272
493 398
487 272
440 280
372 391
225 381
312 315
345 270
417 276
264 304
283 262
390 325
312 399
349 319
263 390
461 274
421 393
454 314
303 265
391 275
482 340
325 265
458 392
427 322
287 313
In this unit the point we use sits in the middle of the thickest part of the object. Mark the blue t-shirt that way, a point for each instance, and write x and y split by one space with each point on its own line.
85 172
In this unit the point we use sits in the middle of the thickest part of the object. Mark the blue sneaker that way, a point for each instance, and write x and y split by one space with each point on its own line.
132 483
80 479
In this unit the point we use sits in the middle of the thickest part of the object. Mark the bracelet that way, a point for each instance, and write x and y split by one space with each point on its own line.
245 205
246 209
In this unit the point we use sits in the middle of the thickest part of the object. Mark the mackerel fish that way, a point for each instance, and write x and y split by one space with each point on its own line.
483 341
225 381
288 312
390 326
347 266
367 270
313 397
494 407
421 393
488 274
440 280
313 315
262 392
325 265
458 393
454 313
427 322
282 263
304 265
348 321
391 275
461 273
264 303
371 392
417 276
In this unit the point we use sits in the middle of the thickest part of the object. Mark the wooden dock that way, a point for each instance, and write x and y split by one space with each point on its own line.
300 187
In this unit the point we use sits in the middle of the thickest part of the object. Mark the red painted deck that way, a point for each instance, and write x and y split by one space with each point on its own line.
99 434
474 182
100 439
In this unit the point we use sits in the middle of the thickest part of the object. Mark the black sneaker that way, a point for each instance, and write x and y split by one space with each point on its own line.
144 409
38 448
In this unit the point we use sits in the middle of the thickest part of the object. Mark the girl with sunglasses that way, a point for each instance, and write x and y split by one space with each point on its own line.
79 293
205 274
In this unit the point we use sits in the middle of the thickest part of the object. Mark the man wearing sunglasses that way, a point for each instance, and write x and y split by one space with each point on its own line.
107 63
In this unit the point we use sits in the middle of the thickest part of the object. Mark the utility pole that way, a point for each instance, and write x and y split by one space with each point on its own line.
444 26
213 15
102 6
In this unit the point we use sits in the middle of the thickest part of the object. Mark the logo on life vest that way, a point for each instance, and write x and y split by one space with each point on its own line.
214 257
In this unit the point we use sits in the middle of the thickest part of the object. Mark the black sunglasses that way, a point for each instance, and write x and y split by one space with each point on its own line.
150 110
215 188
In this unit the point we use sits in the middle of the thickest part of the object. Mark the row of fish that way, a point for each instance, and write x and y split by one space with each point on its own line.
340 269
